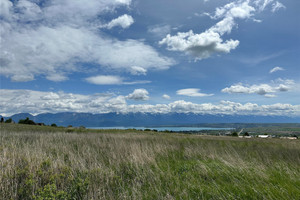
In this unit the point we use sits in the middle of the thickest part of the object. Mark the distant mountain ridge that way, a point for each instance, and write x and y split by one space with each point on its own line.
147 119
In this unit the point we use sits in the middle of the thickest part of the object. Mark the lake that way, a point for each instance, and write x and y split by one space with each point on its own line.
166 128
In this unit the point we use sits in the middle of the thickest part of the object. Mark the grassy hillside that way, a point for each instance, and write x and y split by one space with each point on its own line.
60 163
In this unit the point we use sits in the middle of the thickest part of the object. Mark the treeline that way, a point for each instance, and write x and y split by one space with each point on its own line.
25 121
6 121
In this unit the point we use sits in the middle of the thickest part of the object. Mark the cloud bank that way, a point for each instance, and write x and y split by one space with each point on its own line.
35 102
267 90
57 38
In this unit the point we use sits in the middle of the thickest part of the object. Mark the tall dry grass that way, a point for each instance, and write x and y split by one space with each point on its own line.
55 164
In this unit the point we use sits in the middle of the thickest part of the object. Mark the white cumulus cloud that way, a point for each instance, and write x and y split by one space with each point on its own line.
192 92
112 80
123 21
105 80
266 90
165 96
201 45
136 70
55 39
29 11
6 7
209 42
261 89
139 95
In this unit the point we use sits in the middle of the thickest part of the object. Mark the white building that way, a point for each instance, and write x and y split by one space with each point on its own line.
263 136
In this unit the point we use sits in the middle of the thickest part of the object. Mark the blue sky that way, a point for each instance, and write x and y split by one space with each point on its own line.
160 56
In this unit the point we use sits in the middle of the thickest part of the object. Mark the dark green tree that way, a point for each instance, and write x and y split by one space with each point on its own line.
235 134
246 134
26 121
8 120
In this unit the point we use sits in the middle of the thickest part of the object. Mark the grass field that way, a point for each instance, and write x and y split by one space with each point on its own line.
60 163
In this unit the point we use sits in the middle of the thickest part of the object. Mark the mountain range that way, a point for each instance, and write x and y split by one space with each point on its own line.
147 119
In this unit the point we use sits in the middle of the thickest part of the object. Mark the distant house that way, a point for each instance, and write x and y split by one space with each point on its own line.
40 124
248 136
290 138
263 136
228 133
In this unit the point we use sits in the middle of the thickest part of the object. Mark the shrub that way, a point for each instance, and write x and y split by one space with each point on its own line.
70 130
53 125
79 187
48 183
50 191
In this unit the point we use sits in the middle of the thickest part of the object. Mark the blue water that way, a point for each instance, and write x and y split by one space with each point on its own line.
175 129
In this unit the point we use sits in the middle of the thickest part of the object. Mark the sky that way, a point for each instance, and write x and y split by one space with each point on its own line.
160 56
